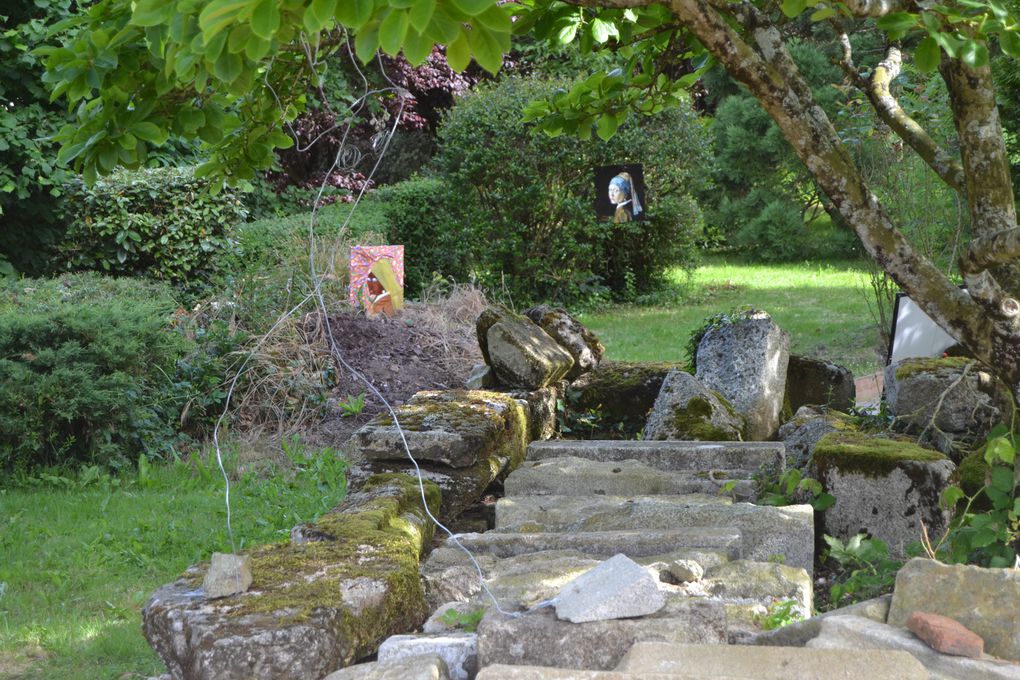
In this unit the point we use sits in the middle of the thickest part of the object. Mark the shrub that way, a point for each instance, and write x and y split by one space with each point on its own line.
160 223
88 366
777 233
530 198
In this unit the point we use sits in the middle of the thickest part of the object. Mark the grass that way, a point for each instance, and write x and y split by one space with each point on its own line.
822 305
82 553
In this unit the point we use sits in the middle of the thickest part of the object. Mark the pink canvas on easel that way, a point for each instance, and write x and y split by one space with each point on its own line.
377 279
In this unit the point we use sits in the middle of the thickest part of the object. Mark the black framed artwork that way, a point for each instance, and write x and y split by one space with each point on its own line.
620 192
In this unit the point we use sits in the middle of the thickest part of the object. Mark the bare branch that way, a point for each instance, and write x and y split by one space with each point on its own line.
991 249
890 111
874 8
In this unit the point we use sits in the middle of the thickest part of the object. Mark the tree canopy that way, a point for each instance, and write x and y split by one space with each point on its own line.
233 71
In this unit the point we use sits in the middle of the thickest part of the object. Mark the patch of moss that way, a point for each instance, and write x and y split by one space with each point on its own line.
971 472
909 367
622 392
694 420
868 455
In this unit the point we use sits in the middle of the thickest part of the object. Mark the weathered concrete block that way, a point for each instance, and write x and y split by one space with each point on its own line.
618 588
313 607
227 575
524 356
883 487
686 409
802 433
458 650
761 581
983 600
746 360
426 667
572 335
819 383
742 457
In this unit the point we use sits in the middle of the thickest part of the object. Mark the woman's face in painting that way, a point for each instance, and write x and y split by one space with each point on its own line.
616 196
373 285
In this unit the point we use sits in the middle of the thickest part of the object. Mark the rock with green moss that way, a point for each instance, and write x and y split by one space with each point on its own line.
819 383
802 433
571 334
886 487
618 394
315 605
685 409
948 402
489 317
746 361
455 428
524 356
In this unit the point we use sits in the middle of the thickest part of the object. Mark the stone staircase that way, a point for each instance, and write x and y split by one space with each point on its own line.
723 563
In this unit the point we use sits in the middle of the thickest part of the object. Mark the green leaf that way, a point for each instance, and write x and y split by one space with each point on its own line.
355 13
151 12
568 32
983 538
417 47
951 496
392 31
897 23
366 43
458 53
256 48
974 53
999 448
219 14
228 67
823 14
607 126
495 19
927 55
1001 478
472 7
421 14
792 8
600 31
823 502
488 47
265 19
150 132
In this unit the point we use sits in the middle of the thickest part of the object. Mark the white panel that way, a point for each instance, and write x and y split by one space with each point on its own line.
916 335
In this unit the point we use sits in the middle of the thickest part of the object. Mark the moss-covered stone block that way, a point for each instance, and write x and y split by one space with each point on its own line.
619 394
686 409
456 428
318 602
886 487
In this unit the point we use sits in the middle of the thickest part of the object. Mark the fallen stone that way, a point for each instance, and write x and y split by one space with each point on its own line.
502 672
540 639
313 607
576 476
228 574
946 635
489 317
618 588
481 378
767 663
808 426
852 632
819 383
582 344
686 571
766 531
983 600
524 356
736 458
761 582
426 667
798 633
458 650
884 487
746 361
685 409
457 428
541 405
621 393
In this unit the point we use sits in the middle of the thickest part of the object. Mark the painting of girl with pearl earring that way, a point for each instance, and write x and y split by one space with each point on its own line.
619 193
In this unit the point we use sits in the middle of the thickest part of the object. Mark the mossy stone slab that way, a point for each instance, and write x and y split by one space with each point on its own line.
742 457
524 356
686 409
621 393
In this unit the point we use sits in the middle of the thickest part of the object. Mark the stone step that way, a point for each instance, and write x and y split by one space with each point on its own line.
768 533
524 581
769 663
540 639
633 543
570 475
662 661
747 457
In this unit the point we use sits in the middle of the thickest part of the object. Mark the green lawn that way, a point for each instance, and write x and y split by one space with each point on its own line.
80 555
822 305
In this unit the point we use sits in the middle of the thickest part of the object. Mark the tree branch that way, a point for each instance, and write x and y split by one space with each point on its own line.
890 111
874 8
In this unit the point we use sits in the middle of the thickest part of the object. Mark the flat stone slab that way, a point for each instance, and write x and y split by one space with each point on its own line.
425 667
984 600
570 475
618 588
633 542
769 663
459 651
766 531
854 632
540 639
747 457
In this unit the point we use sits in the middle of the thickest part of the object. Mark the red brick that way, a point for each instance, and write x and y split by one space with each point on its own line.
946 635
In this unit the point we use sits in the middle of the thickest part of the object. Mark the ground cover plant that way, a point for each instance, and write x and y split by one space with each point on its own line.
84 550
821 304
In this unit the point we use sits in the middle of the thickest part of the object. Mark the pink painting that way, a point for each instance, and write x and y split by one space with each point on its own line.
377 278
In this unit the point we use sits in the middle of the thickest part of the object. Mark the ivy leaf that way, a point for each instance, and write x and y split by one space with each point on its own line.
1009 41
421 14
974 54
265 20
927 55
392 32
